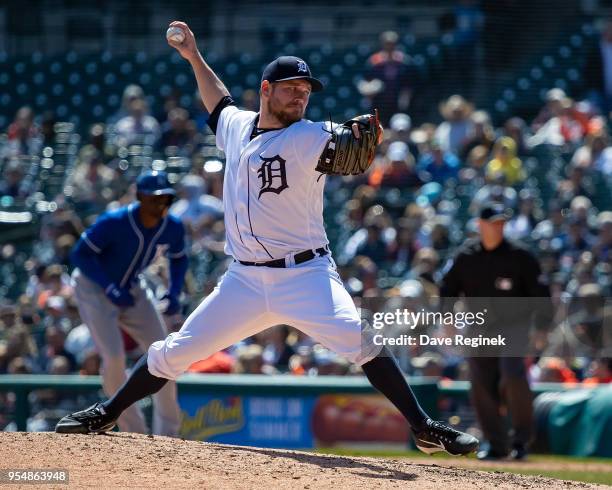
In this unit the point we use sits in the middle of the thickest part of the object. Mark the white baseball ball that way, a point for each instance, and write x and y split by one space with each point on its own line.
175 34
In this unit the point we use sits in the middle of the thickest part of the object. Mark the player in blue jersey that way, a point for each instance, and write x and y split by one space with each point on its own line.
109 258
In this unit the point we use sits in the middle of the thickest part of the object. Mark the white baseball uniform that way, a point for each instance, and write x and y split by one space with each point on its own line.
273 201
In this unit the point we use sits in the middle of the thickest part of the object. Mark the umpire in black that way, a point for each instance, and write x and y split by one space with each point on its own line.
494 270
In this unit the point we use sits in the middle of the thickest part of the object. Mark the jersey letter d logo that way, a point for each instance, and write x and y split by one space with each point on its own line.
273 175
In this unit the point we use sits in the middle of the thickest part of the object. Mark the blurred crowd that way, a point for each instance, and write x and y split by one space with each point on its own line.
391 230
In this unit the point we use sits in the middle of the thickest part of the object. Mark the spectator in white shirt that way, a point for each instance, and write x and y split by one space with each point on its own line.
138 127
453 133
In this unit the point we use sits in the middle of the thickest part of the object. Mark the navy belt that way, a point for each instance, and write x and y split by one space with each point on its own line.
299 258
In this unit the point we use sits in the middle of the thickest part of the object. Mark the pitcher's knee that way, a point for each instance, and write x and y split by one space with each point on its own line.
361 356
364 347
166 359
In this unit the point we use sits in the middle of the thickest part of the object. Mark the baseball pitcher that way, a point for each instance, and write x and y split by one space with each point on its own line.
283 271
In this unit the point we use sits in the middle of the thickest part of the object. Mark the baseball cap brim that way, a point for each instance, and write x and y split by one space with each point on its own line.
496 217
317 86
159 192
494 213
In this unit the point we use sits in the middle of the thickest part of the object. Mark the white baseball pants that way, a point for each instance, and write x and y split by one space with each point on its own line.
249 299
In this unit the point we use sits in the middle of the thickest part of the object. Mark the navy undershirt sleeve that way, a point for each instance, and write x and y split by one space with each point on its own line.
213 120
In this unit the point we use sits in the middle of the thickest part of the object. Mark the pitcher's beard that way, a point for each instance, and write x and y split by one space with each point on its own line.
285 118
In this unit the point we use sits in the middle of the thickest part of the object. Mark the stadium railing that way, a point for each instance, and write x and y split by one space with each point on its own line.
427 389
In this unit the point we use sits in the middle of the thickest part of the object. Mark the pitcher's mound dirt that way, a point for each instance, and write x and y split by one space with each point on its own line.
138 461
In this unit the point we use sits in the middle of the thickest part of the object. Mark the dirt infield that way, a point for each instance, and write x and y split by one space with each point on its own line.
137 461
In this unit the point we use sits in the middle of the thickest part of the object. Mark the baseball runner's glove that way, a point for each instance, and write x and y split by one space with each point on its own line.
345 154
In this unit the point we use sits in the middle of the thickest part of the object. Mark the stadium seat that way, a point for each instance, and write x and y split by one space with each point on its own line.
314 113
315 59
573 75
74 78
576 40
536 73
93 89
126 68
97 112
231 69
565 52
350 59
145 79
176 58
588 29
548 62
161 67
57 89
180 79
344 92
509 95
39 78
141 57
236 91
336 70
113 100
71 57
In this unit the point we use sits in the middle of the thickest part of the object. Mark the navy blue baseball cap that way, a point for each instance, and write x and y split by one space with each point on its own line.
154 183
290 68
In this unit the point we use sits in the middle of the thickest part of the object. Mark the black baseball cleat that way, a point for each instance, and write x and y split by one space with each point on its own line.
491 455
437 437
519 452
92 420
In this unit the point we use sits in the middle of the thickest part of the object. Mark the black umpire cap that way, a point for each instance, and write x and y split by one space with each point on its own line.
290 68
154 183
494 212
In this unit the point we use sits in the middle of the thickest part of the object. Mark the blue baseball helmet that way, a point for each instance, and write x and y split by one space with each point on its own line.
154 183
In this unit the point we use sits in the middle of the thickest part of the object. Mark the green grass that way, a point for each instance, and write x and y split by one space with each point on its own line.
581 476
543 458
586 476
